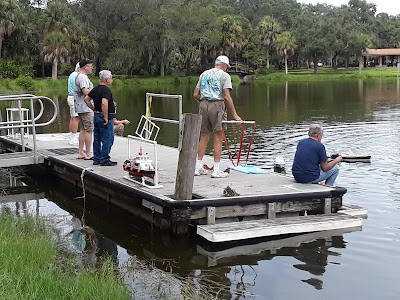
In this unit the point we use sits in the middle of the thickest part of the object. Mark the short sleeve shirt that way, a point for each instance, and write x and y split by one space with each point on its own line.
306 164
212 83
71 83
97 94
81 81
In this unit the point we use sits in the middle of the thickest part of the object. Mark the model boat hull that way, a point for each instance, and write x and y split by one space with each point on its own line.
136 171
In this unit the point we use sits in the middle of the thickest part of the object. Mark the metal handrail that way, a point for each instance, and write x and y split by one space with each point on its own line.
23 97
179 121
29 123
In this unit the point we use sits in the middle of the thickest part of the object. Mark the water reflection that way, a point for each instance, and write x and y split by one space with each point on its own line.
93 246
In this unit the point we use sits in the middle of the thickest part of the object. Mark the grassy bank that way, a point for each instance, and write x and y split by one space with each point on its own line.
327 73
30 269
27 84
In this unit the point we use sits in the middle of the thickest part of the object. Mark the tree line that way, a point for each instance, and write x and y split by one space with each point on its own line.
162 37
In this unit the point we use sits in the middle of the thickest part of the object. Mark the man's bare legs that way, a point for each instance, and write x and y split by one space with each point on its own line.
73 129
85 139
73 124
218 140
204 138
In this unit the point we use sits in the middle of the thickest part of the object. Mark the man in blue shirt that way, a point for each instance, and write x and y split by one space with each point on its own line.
311 164
74 120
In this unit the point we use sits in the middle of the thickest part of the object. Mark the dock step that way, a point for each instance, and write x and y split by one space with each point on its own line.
353 210
15 159
234 231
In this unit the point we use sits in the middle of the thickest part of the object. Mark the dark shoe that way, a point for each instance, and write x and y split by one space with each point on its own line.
96 163
109 163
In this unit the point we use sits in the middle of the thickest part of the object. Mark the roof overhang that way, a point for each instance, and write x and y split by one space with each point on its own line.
382 52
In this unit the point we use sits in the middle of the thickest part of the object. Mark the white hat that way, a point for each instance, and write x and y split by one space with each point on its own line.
222 59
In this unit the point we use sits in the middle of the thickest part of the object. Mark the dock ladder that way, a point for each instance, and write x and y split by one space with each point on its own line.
23 120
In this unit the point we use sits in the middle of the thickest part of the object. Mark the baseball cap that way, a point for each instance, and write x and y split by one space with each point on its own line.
222 59
84 62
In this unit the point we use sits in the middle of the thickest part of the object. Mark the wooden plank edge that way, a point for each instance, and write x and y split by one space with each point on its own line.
277 230
353 210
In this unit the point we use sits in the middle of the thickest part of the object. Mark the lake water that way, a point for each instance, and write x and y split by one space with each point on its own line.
358 116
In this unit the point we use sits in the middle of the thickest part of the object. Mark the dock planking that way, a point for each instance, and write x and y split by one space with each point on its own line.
261 195
235 231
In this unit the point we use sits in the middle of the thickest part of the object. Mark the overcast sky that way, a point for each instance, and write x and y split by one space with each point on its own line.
391 7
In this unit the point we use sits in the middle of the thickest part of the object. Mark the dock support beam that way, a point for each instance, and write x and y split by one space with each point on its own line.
210 215
187 156
327 206
271 211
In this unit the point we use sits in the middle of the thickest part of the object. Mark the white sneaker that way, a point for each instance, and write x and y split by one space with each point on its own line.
201 171
219 174
74 142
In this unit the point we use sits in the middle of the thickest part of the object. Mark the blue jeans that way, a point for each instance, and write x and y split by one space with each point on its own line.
103 139
329 176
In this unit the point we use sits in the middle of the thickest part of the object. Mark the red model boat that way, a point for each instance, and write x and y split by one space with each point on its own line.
140 165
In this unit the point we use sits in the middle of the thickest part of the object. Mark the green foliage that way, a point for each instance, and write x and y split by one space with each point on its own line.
13 69
65 69
151 38
26 82
117 82
29 262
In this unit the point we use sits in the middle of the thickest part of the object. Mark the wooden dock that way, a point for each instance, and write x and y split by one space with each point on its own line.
235 231
261 196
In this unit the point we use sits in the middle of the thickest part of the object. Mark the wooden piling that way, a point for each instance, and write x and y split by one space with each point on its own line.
187 157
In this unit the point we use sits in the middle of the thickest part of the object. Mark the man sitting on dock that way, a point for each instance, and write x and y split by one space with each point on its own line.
311 164
213 91
119 126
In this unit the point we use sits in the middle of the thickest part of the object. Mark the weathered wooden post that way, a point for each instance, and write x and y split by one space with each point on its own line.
187 156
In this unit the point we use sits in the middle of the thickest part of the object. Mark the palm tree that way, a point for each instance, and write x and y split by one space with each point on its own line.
235 32
57 17
285 46
82 46
9 9
268 29
55 48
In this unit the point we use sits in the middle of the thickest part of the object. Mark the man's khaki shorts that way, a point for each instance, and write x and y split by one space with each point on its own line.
86 121
213 113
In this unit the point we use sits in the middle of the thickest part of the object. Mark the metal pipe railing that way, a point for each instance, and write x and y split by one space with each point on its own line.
31 123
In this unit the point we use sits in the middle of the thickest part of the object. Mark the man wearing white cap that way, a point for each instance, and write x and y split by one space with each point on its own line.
213 91
74 119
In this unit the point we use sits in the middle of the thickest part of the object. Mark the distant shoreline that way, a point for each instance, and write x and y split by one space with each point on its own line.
28 84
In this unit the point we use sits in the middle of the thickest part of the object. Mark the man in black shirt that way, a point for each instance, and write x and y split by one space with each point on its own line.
104 114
